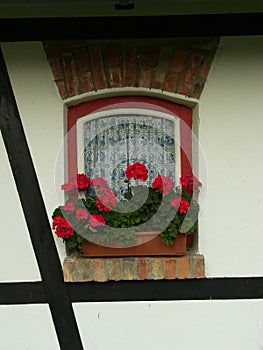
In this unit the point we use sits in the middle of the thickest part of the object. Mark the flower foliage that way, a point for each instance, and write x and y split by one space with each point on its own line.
92 209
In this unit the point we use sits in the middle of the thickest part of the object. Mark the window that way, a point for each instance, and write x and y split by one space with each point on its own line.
107 135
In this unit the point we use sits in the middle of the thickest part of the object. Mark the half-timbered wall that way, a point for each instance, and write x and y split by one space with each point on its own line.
231 224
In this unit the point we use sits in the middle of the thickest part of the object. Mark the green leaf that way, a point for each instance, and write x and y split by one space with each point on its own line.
57 212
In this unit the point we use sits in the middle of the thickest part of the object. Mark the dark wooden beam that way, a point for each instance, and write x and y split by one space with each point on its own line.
192 289
195 289
22 293
84 28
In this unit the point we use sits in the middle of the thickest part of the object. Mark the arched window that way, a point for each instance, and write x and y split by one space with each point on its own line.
107 135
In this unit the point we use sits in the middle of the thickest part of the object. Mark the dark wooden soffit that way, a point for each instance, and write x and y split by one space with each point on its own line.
91 8
41 29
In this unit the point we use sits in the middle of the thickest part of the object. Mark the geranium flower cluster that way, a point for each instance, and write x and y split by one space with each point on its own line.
165 184
74 208
97 206
138 171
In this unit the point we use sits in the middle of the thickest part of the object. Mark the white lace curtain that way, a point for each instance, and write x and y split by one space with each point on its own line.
113 142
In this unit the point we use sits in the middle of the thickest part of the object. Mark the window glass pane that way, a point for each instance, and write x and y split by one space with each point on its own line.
112 142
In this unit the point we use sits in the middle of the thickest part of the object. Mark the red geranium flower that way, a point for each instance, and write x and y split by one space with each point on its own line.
185 180
106 202
138 171
97 220
62 227
107 199
69 206
176 202
101 206
182 204
164 183
190 181
83 182
81 214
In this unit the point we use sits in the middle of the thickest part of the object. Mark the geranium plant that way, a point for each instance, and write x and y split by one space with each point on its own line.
92 209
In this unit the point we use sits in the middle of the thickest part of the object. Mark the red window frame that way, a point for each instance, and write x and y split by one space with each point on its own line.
184 113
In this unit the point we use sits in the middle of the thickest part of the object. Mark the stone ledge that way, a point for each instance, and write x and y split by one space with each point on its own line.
79 269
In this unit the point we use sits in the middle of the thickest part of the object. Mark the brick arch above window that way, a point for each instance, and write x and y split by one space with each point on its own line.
178 66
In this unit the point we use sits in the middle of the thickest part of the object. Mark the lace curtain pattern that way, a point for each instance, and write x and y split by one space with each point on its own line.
113 142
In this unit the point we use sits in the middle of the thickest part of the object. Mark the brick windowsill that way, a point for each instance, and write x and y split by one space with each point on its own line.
78 269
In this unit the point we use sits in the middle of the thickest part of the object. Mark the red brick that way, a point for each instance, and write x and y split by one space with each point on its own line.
129 268
143 268
157 268
113 54
62 89
84 271
115 78
52 51
58 74
162 67
190 75
198 266
97 68
100 271
86 82
179 61
159 78
206 67
56 67
114 269
149 57
165 56
183 264
82 58
69 270
171 82
70 75
170 268
145 78
198 88
77 269
130 66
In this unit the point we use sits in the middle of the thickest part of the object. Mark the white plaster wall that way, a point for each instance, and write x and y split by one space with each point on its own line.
190 325
231 124
41 111
27 327
14 234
